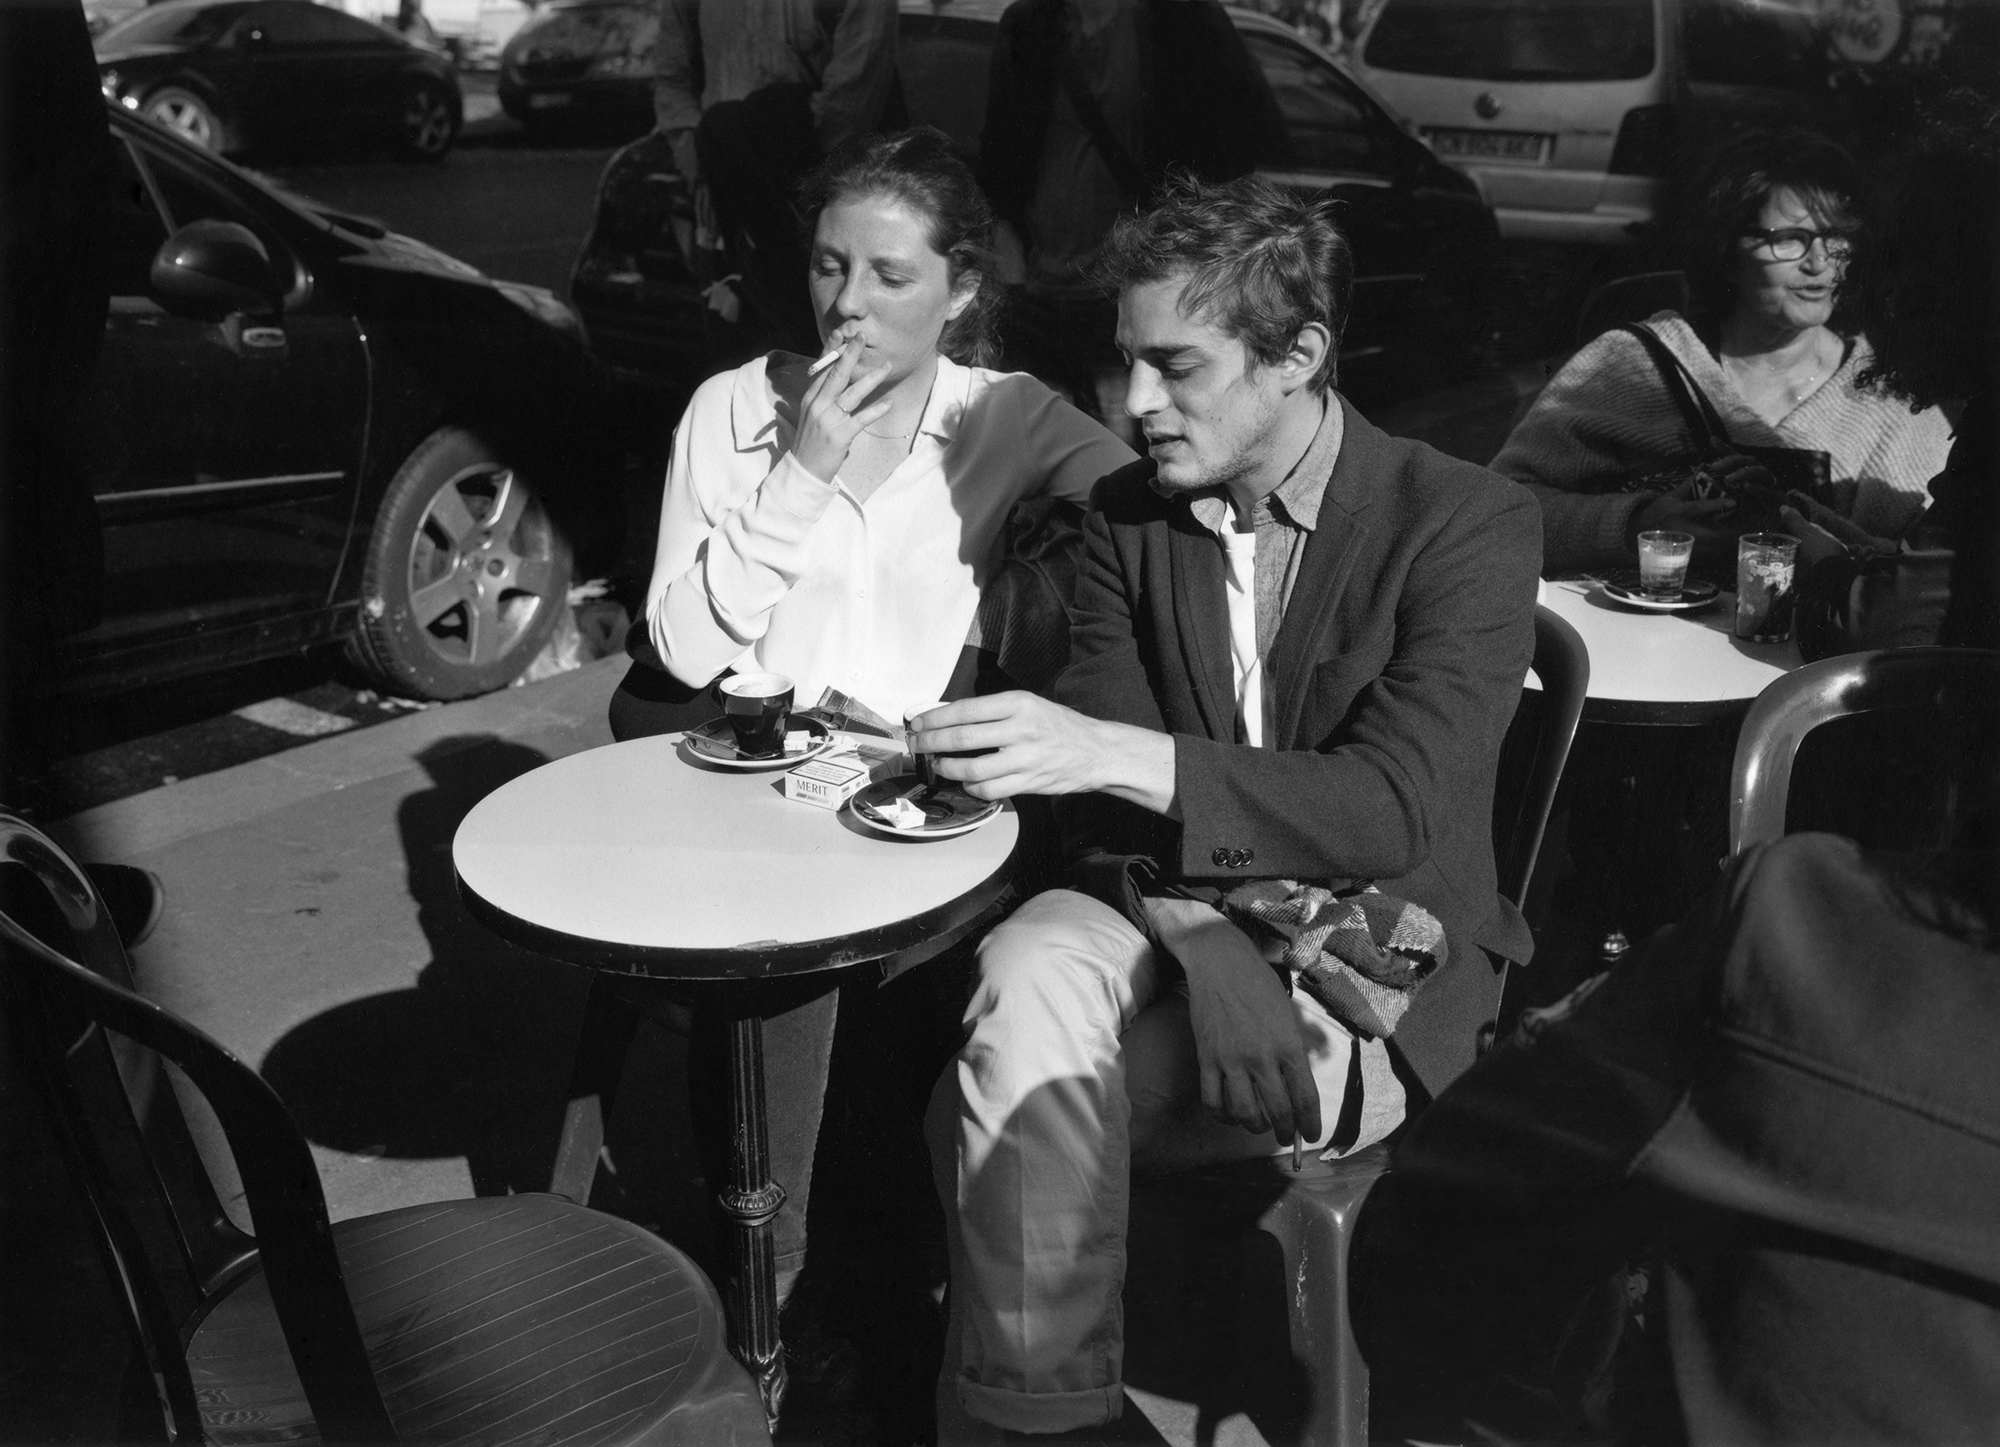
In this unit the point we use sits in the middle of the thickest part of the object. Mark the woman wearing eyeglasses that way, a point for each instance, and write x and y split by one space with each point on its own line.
1612 448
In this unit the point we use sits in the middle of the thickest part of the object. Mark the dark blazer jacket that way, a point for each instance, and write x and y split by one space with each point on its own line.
1397 669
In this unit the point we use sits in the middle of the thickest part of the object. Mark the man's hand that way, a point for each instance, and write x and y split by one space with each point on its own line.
1254 1069
1707 519
1024 744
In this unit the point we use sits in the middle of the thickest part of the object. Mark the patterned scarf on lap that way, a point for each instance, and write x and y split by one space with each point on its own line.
1359 952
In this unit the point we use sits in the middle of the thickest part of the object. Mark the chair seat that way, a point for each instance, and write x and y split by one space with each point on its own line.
516 1319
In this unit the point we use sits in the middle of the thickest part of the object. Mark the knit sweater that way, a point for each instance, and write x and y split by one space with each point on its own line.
1606 417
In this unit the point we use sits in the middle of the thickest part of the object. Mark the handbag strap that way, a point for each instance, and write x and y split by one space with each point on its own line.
1695 408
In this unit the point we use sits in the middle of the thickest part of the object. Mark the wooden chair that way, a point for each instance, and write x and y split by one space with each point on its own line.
1312 1214
510 1319
1942 681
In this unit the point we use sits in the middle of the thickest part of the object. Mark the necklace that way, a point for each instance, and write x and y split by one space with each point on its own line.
1795 391
891 436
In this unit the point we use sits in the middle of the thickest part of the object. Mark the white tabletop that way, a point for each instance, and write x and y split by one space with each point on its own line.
1691 659
634 844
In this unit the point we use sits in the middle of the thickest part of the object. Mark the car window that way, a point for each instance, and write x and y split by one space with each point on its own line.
1515 40
1738 42
943 65
1329 126
172 25
136 230
303 26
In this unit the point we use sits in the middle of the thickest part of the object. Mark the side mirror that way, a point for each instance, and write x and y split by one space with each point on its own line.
213 268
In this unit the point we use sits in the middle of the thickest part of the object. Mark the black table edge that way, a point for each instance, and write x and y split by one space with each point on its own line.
762 960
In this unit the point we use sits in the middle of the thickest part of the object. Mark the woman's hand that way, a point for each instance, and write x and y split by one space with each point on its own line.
1816 544
831 415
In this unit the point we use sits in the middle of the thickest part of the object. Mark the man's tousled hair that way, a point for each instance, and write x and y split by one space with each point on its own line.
1260 262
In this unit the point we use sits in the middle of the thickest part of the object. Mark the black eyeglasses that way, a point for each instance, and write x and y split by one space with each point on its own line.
1791 243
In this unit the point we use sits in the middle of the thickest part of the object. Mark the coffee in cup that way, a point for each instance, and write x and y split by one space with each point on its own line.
758 706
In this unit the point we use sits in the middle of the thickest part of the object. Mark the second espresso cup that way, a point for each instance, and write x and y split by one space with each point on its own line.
758 706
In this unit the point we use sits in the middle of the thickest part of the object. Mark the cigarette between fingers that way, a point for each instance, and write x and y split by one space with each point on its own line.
823 363
1298 1154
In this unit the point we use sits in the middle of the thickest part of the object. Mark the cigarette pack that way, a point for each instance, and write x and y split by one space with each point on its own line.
829 781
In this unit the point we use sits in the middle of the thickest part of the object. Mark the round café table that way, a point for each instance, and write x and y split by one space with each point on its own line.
638 859
1648 669
1665 668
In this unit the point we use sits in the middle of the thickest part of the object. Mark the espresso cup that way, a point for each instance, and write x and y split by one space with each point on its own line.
925 765
758 706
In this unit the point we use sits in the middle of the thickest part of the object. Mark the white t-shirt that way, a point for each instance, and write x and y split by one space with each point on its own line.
762 565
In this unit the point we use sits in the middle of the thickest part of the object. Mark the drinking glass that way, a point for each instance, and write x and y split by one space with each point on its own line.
1766 593
1663 564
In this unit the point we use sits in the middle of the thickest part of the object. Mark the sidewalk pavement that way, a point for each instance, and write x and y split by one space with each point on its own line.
313 926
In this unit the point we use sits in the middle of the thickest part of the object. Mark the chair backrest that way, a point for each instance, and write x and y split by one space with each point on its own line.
1629 299
1945 680
1536 747
168 1244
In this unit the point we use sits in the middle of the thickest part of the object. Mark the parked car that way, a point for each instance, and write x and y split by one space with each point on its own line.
242 75
1425 242
582 60
1576 116
100 15
1561 109
305 429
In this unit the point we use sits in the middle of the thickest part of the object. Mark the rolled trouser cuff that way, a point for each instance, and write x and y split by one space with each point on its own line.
1041 1411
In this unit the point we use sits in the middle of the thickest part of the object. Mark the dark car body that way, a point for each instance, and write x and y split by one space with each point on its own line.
243 75
582 59
1425 242
240 453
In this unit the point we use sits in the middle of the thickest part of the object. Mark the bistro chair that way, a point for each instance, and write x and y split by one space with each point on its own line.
508 1319
1311 1214
1941 682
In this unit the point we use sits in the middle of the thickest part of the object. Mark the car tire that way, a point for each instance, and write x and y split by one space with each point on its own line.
465 575
187 115
426 123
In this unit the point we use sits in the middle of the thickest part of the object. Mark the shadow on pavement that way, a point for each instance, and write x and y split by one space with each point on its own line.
473 1061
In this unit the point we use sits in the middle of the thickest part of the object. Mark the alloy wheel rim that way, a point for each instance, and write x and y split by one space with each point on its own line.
427 120
480 563
185 118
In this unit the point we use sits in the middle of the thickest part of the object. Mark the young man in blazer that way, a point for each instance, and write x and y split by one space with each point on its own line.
1296 645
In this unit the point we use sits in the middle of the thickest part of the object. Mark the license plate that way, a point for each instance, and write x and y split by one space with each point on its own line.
1523 148
549 99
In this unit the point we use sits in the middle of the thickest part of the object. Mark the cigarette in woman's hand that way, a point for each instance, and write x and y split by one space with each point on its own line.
823 363
1298 1153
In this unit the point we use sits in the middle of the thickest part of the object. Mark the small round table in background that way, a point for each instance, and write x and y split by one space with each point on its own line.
1665 668
639 860
1652 670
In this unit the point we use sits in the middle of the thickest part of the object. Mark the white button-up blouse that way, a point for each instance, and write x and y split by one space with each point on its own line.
762 565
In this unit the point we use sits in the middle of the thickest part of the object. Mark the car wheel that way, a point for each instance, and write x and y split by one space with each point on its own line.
426 126
465 574
187 115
